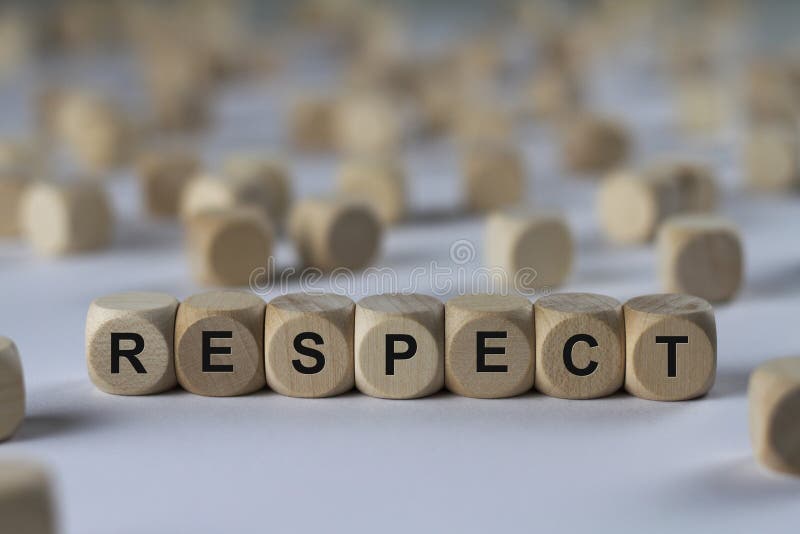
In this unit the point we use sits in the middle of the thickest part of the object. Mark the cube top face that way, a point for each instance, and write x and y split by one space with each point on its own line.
219 302
576 303
25 500
671 347
139 301
306 303
399 305
12 389
489 345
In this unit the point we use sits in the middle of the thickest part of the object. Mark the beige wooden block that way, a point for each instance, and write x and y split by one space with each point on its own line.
594 144
12 189
26 501
703 104
66 218
580 345
670 347
554 93
774 398
700 255
494 177
219 340
335 232
129 343
369 124
308 344
489 346
399 346
772 158
227 245
477 123
163 176
380 182
312 124
263 182
533 251
697 187
12 389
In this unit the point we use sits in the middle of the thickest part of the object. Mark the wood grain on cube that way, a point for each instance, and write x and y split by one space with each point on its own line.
65 218
219 340
381 182
489 346
12 389
580 345
700 255
129 343
399 346
594 144
308 345
26 501
494 177
228 246
774 398
670 347
335 232
532 250
163 176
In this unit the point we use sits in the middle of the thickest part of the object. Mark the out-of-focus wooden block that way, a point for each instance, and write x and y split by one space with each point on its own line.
219 340
262 181
595 144
129 343
335 232
494 177
312 124
65 218
381 182
580 345
489 346
554 93
12 389
477 123
670 347
12 189
308 345
696 185
163 176
533 251
26 502
772 158
368 124
700 255
399 346
227 245
703 104
774 396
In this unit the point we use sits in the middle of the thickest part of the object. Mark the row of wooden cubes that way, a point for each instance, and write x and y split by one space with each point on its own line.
575 346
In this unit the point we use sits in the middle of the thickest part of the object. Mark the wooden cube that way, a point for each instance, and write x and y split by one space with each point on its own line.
670 347
163 176
312 124
703 104
774 396
478 123
533 251
772 158
335 232
12 189
381 182
308 345
66 218
595 144
227 245
696 185
129 343
580 345
26 502
700 255
368 124
554 93
489 346
399 346
494 177
263 182
219 344
12 390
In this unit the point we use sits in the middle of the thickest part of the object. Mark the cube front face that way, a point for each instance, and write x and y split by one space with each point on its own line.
12 389
26 505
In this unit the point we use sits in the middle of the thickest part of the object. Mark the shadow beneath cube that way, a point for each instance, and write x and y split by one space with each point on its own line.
730 383
43 426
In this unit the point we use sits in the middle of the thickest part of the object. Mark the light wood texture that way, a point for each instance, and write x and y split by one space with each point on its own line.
595 144
26 502
494 177
489 347
533 250
129 343
12 189
659 325
66 218
227 245
703 104
12 389
323 326
368 124
772 158
335 232
232 325
697 187
163 176
580 345
774 398
387 330
478 123
312 124
700 255
381 182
